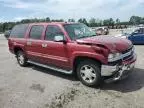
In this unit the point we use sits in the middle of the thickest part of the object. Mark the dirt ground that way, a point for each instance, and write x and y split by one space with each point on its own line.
36 87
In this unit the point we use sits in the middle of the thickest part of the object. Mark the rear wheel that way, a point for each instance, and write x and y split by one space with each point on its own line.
22 61
88 72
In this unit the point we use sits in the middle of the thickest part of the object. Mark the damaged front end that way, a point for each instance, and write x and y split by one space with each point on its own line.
121 67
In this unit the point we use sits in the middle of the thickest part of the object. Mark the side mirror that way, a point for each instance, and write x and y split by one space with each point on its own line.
59 38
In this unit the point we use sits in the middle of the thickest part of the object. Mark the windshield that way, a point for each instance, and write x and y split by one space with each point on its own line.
128 31
77 31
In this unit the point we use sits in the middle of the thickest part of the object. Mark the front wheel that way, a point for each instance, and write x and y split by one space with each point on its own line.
89 73
22 61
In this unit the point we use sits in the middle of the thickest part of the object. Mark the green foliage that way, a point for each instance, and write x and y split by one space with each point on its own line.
9 25
134 20
71 20
117 21
47 19
109 22
83 20
95 22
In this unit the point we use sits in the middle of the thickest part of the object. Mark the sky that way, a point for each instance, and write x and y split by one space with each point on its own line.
16 10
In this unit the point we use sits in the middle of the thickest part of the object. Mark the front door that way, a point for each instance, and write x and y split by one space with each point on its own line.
34 43
55 53
137 38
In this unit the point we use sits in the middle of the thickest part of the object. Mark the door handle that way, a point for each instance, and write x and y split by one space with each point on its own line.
44 45
29 43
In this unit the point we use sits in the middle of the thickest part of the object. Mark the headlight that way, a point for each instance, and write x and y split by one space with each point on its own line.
114 57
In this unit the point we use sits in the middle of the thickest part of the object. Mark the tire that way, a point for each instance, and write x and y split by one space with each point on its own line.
89 73
21 58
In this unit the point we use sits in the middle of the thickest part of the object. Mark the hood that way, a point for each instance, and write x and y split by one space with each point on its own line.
114 44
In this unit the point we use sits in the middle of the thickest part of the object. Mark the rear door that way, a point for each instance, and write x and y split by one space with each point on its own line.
34 43
55 53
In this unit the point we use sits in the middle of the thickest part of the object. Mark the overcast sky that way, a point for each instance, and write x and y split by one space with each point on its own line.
13 10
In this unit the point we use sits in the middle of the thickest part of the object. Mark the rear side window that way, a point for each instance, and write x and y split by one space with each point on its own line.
52 31
19 31
36 31
142 30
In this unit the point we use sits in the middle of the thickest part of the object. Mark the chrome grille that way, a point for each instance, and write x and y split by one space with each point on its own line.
130 48
128 53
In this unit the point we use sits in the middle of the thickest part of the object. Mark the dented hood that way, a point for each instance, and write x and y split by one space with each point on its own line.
111 42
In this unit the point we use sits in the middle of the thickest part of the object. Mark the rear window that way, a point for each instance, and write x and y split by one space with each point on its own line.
19 31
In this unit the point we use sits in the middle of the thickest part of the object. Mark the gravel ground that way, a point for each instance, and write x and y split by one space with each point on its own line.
36 87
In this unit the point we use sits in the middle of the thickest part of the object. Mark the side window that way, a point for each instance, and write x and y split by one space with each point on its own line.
142 30
19 31
52 31
36 31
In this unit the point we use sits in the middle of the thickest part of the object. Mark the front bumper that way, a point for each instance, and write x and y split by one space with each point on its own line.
118 71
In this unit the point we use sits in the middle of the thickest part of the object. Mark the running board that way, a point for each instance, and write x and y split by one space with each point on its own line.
52 68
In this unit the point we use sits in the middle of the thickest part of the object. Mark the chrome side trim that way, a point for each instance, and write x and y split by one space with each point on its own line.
52 68
48 56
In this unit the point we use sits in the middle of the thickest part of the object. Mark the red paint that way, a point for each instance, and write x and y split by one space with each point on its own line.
63 54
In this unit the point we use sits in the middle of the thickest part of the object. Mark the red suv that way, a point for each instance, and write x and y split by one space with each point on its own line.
73 48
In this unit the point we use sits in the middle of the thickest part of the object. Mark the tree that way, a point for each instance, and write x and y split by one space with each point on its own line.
117 21
25 21
99 22
135 20
1 27
80 20
71 20
5 26
83 20
142 21
111 22
106 22
47 19
92 22
124 23
57 20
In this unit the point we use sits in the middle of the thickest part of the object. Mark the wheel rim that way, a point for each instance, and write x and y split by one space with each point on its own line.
21 59
88 73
